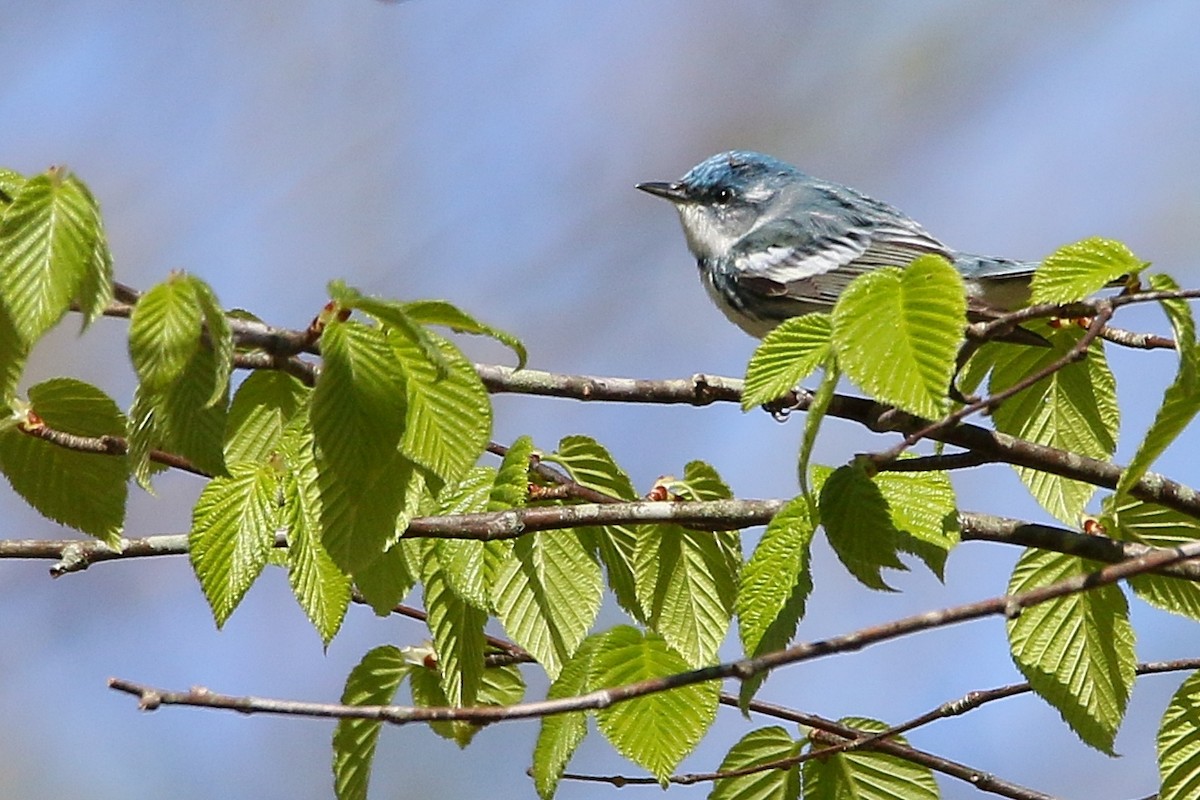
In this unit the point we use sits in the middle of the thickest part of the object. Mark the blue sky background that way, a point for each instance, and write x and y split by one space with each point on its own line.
485 152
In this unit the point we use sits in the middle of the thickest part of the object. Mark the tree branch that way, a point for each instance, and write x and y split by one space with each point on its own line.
1005 605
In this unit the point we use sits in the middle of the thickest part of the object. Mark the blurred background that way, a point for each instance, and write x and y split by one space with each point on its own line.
486 153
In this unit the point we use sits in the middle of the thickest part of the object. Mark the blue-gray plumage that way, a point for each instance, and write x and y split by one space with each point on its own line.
772 242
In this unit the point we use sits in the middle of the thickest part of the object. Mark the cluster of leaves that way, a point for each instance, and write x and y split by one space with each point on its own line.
324 480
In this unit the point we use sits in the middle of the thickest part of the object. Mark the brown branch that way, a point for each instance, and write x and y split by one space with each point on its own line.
1004 605
75 555
104 445
702 390
1137 341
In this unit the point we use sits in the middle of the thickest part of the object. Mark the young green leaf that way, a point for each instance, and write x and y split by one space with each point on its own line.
589 464
165 331
897 333
686 582
501 686
511 487
786 356
219 337
390 577
373 682
858 524
1157 526
1181 400
457 629
774 586
263 405
84 490
560 734
13 353
1075 409
547 596
657 730
439 312
1179 743
923 508
1075 271
1076 651
233 529
448 418
322 589
49 237
11 182
865 774
357 418
758 748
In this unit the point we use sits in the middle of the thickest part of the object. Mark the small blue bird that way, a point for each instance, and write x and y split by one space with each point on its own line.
772 242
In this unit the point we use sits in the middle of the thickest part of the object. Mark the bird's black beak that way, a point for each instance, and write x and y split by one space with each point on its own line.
674 192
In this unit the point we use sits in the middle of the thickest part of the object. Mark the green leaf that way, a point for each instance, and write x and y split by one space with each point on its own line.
439 312
49 239
233 530
858 524
1075 651
1157 526
373 682
560 734
923 507
164 331
357 418
263 405
1181 400
464 560
10 183
757 748
774 587
547 595
185 420
589 464
86 491
897 333
775 582
457 629
1076 271
448 419
657 730
511 486
322 589
501 686
1179 743
180 401
866 774
219 337
786 356
357 533
687 583
358 403
389 578
393 316
1075 409
13 353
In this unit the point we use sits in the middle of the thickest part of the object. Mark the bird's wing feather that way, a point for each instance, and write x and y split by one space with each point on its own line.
784 260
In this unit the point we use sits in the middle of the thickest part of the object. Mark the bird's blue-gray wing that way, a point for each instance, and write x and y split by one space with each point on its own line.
812 265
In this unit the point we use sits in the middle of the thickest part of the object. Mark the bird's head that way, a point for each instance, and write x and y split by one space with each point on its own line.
722 198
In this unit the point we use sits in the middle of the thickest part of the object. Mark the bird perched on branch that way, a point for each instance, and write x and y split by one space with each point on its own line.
773 242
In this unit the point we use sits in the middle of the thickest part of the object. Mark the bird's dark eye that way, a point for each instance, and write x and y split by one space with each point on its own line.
723 195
